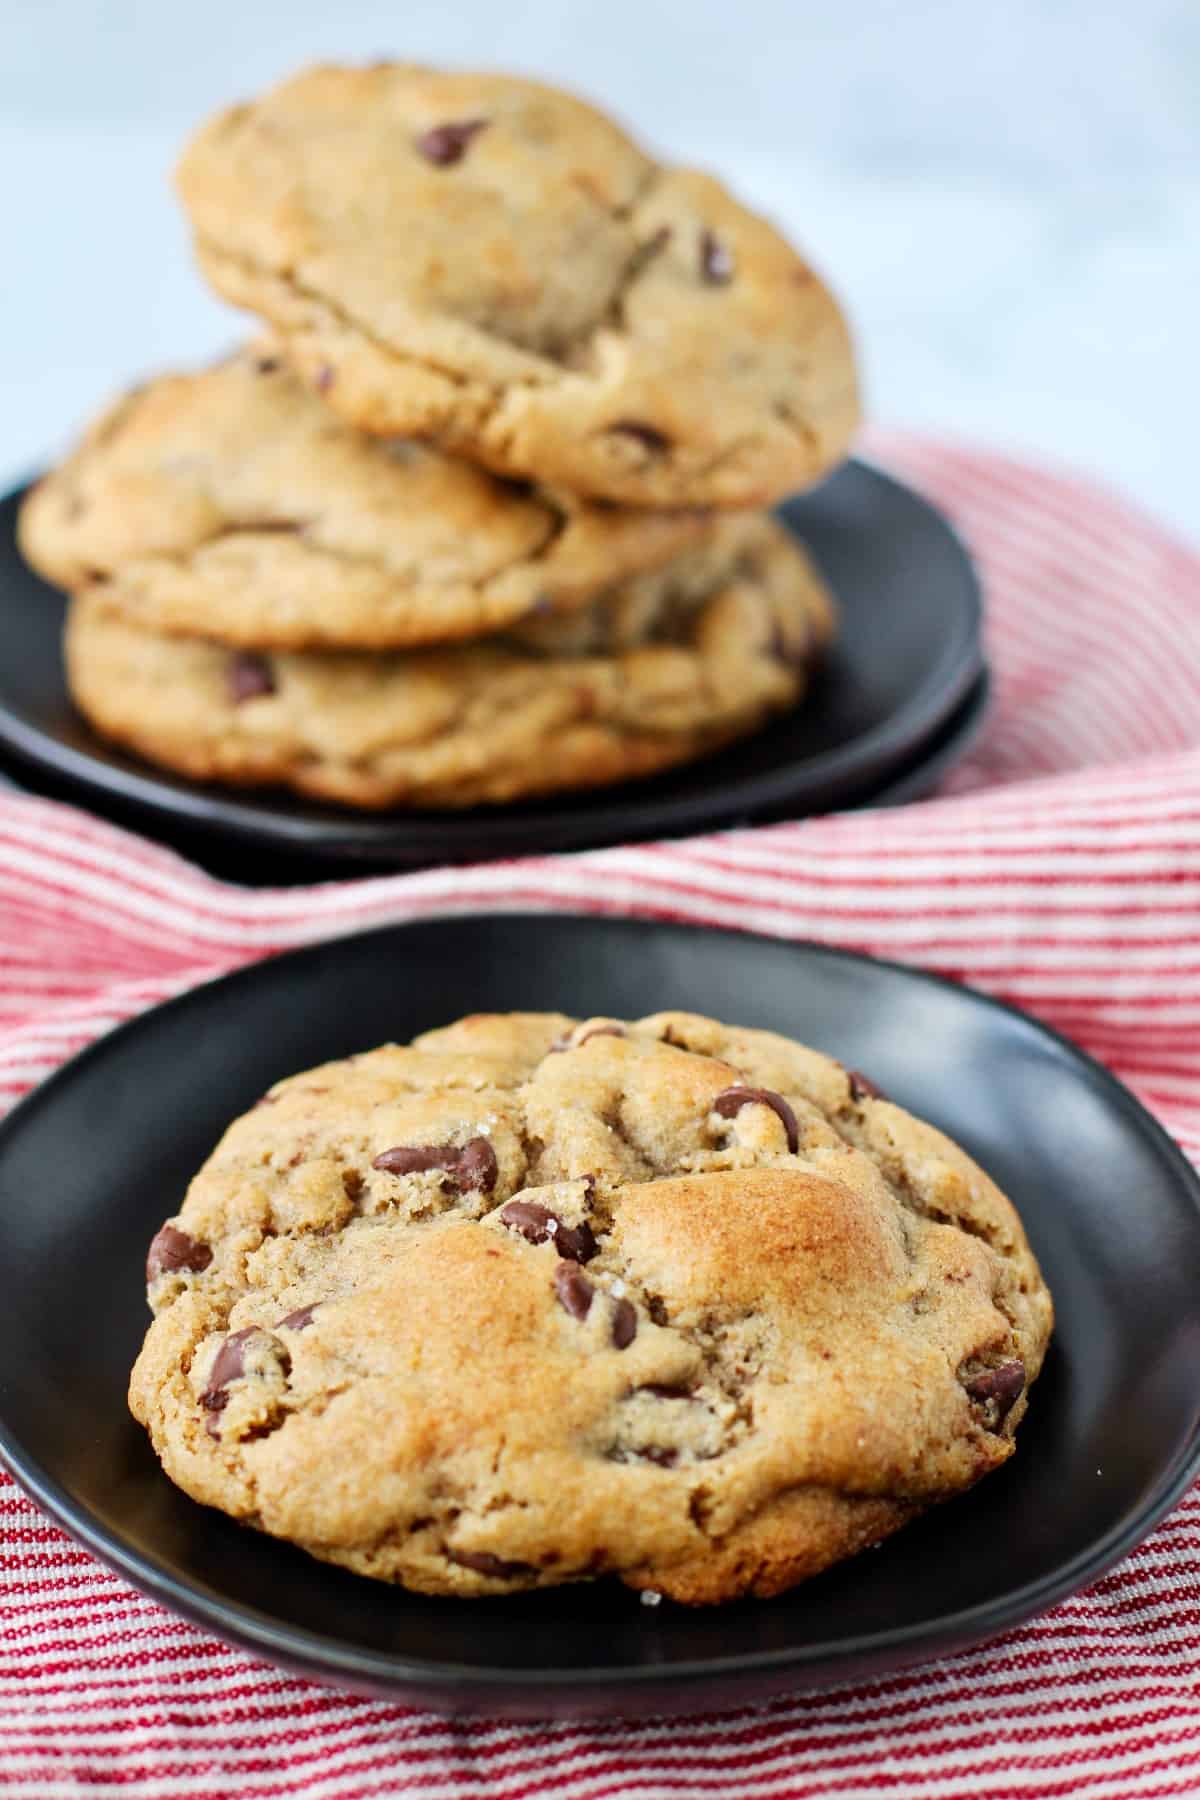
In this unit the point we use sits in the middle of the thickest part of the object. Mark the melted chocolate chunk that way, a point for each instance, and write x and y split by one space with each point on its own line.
469 1167
571 1043
266 365
250 677
172 1249
862 1087
731 1101
1004 1385
535 1223
600 1031
477 1167
665 1458
446 144
298 1320
484 1563
228 1365
624 1324
716 260
576 1242
539 1225
662 1390
574 1290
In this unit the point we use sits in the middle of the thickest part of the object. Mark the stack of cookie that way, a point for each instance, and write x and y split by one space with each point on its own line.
483 517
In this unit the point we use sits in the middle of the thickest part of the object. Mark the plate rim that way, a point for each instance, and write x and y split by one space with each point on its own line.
921 779
348 837
331 1660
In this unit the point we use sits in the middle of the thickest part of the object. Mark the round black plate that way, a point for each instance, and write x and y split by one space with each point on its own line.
92 1161
909 652
252 866
935 759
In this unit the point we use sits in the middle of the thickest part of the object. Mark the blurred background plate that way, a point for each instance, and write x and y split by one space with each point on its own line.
235 861
909 654
94 1158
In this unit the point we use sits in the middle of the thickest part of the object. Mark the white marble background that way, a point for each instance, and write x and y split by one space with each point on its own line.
1007 192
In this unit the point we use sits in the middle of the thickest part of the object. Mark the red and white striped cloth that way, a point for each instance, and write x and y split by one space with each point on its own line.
1061 870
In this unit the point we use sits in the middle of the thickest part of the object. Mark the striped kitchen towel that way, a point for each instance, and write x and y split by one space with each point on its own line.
1060 869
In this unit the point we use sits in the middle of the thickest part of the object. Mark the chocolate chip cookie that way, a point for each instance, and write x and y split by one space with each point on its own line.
495 265
535 1300
233 504
674 665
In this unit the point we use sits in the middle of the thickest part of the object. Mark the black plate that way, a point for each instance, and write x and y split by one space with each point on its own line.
923 775
252 866
92 1161
910 651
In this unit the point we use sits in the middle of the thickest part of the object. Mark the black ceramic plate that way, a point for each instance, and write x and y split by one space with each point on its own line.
921 777
909 653
253 866
93 1160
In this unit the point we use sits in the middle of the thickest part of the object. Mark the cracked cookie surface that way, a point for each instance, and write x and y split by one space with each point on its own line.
495 265
232 504
537 1300
673 665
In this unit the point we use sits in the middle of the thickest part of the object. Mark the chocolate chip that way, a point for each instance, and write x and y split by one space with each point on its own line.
324 379
477 1168
666 1459
624 1324
266 365
173 1249
600 1031
862 1087
716 260
570 1042
538 1224
298 1320
534 1222
250 676
663 1390
415 1159
228 1364
467 1167
1004 1385
576 1242
446 144
574 1290
731 1101
647 435
484 1563
796 656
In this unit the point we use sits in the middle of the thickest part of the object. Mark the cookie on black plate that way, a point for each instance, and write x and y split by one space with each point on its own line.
536 1301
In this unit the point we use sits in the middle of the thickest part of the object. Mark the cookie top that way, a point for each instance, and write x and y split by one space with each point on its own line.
669 667
233 504
496 265
535 1300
